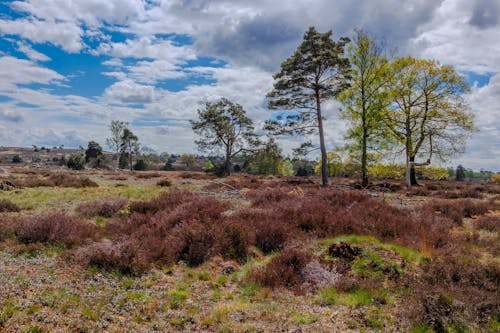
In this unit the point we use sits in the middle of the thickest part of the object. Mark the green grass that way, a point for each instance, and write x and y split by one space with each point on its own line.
304 318
57 198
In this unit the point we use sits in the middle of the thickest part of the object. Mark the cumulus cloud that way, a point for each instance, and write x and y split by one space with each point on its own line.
63 34
10 116
14 71
129 92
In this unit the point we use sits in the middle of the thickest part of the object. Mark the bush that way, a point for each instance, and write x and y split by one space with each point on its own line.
104 208
454 289
76 162
141 165
165 182
17 159
8 206
489 223
7 227
284 270
457 210
56 228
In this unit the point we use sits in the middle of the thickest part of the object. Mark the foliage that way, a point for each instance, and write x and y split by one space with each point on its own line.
428 114
93 151
56 228
141 164
8 206
367 98
224 124
104 208
129 146
76 162
116 128
208 166
17 159
460 173
189 160
495 178
284 270
316 72
269 161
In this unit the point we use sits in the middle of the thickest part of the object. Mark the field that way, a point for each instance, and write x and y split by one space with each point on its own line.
161 251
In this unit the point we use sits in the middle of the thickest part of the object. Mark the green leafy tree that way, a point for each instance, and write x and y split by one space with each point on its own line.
208 166
367 98
265 161
460 173
188 160
93 151
224 124
76 161
129 146
316 72
428 114
115 142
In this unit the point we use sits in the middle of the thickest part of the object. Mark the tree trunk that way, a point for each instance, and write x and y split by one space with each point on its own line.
228 161
413 175
324 160
364 172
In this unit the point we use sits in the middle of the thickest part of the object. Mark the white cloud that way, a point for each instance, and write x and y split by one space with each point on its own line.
14 71
129 92
10 116
63 34
31 53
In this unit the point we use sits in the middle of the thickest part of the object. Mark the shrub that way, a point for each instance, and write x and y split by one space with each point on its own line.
165 182
166 200
66 180
141 165
104 208
7 227
455 288
56 228
17 159
148 175
489 223
284 270
8 206
495 178
76 162
271 232
456 210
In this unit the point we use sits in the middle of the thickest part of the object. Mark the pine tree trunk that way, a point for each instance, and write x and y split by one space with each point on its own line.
324 160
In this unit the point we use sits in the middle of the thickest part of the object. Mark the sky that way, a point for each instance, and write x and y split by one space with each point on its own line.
69 67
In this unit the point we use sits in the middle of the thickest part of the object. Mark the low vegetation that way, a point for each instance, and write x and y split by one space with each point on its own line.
250 253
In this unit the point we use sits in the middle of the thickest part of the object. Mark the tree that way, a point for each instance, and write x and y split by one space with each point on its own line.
428 115
367 98
129 146
224 124
460 173
316 72
93 151
265 161
115 140
76 162
189 160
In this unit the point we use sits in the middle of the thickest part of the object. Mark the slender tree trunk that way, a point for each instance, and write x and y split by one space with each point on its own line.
324 160
364 172
228 161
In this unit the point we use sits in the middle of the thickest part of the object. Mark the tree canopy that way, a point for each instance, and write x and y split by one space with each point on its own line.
317 71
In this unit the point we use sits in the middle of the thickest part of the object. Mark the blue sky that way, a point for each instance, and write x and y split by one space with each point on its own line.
69 67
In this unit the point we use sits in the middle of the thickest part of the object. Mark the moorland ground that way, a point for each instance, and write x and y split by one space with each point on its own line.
164 251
